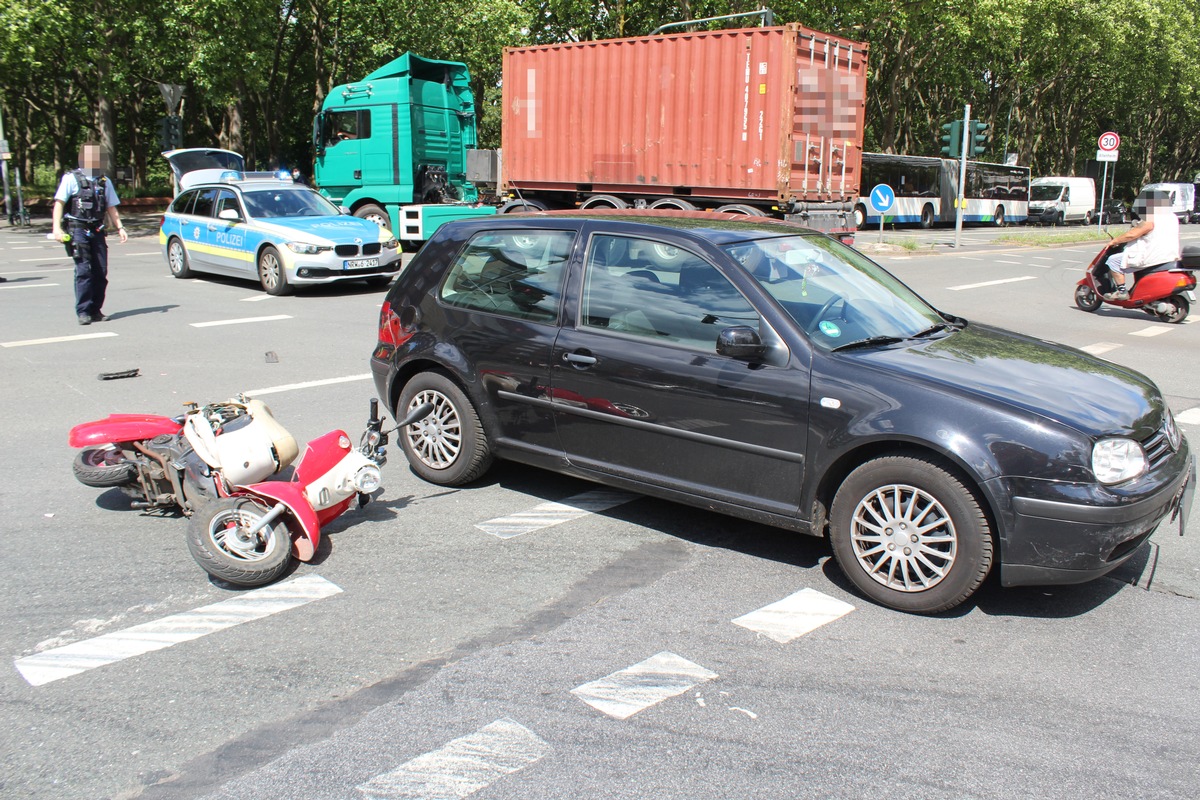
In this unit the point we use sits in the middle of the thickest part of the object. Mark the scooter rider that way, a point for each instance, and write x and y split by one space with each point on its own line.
89 201
1154 241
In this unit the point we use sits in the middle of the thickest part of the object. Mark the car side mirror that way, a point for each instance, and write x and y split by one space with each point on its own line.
741 342
230 214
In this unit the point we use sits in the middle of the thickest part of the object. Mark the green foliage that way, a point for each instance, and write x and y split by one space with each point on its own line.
1047 76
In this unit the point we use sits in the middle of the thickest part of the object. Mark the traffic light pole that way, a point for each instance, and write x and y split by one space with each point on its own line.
960 201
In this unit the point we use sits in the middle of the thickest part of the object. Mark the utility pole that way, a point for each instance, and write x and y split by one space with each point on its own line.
960 201
4 171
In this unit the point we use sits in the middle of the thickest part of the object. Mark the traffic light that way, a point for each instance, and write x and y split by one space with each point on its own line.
978 138
175 131
952 139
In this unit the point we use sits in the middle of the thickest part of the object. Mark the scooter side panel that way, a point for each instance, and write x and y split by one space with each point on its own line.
291 494
321 455
122 428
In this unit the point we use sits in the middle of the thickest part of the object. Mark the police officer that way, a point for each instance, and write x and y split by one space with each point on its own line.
87 201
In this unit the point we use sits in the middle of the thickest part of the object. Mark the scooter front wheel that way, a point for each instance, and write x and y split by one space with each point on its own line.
1087 298
219 539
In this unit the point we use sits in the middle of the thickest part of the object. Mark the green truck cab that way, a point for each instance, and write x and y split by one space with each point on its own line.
392 147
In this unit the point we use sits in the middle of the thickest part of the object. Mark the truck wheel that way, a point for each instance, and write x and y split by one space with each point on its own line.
741 208
604 201
373 213
522 206
448 447
910 535
860 217
676 203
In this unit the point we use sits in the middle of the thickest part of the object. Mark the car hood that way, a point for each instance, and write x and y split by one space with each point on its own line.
1052 380
327 230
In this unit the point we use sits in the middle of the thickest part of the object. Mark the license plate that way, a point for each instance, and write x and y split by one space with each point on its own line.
360 263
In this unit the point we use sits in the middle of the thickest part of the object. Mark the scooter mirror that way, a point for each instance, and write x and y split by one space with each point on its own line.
419 413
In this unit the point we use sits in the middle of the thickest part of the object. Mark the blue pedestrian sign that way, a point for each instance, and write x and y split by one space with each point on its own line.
882 197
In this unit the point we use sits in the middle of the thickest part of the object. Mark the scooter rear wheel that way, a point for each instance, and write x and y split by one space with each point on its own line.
103 468
1182 307
218 541
1087 299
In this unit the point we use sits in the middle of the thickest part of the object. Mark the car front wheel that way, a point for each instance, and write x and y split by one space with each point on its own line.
910 535
271 272
449 446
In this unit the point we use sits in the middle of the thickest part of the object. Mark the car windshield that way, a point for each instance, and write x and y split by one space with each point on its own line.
1044 193
835 294
281 202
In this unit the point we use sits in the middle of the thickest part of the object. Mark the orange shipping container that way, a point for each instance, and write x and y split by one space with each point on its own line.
770 116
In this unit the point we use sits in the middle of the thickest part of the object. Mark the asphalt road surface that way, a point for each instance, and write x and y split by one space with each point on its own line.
534 636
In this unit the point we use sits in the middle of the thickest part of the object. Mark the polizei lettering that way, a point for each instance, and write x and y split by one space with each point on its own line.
229 239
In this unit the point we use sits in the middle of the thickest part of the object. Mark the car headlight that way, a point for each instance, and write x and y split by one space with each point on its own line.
391 244
1118 460
1174 437
368 479
304 248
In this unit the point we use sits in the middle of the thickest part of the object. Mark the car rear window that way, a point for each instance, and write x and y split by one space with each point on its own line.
517 273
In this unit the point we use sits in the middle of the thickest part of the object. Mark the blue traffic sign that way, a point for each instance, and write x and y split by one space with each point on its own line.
882 197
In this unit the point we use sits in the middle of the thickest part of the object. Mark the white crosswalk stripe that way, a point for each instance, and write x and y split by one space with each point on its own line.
547 514
462 767
72 659
795 615
628 691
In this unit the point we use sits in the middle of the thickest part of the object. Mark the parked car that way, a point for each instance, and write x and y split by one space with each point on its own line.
1059 200
1114 213
772 373
265 227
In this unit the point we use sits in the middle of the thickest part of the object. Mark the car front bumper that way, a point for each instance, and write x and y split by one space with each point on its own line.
326 269
1055 542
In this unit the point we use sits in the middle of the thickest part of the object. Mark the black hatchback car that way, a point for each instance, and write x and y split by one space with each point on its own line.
772 373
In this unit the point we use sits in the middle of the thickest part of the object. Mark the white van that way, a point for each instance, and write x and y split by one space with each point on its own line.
1183 199
1059 200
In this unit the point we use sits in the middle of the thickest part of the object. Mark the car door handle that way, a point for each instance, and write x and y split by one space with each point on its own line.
212 227
358 174
578 359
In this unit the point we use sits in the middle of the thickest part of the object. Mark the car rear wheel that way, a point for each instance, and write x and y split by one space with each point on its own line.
177 259
449 446
271 272
910 535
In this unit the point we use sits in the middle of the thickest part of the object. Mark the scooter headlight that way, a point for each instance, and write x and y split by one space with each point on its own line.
368 479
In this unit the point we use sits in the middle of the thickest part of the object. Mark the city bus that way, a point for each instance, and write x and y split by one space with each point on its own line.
926 187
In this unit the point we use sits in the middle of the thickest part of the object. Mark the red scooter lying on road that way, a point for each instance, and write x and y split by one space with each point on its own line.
212 463
1165 291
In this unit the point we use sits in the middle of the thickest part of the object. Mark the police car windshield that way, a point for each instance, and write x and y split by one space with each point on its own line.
279 202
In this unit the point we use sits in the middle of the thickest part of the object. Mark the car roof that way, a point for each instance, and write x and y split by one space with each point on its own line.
717 228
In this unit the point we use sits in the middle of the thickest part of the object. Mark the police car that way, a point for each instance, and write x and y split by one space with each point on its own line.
265 227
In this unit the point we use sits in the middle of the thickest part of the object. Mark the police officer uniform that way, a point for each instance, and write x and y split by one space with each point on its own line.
86 200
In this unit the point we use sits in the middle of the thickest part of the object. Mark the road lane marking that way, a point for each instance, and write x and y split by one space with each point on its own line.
63 257
152 253
72 659
306 385
1043 258
1017 263
38 271
1189 417
628 691
794 615
240 321
257 298
991 283
548 514
1099 348
56 339
29 286
1156 331
462 766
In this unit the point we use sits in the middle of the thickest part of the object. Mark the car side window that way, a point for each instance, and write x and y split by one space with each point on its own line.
517 273
226 199
659 291
205 199
183 202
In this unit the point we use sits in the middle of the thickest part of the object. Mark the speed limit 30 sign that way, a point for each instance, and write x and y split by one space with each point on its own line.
1109 141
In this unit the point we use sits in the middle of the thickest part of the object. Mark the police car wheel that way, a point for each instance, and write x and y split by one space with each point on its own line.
177 259
271 272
